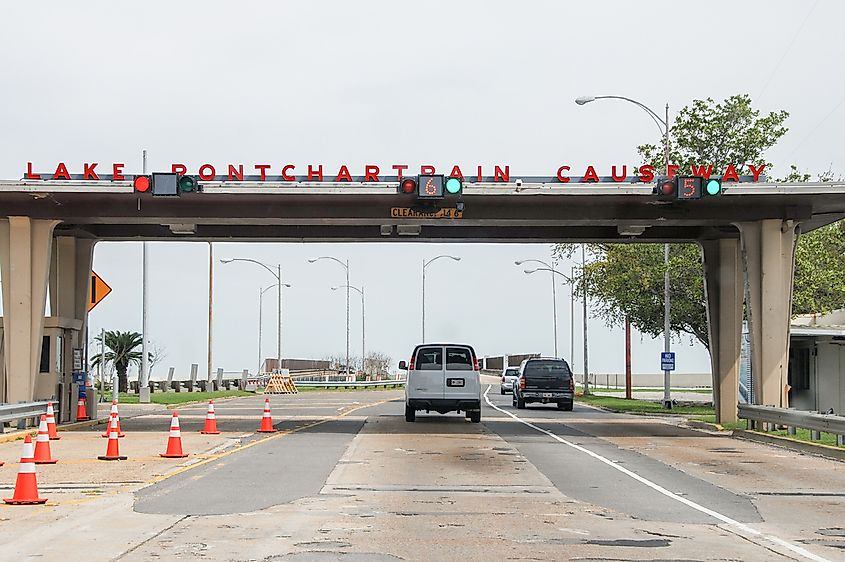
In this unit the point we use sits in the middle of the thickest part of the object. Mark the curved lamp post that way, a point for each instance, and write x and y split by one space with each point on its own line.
278 275
554 294
663 125
571 279
424 265
346 267
363 321
260 318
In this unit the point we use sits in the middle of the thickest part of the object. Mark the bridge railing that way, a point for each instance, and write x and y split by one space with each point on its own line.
21 412
390 383
767 418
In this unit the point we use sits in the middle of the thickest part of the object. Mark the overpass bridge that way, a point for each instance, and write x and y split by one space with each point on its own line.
48 229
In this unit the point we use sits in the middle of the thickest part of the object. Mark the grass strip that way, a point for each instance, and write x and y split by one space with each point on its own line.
181 397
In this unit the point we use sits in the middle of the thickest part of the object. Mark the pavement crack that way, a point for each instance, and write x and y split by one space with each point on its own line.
158 534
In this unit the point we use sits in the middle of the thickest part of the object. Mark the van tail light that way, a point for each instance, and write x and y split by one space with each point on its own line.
475 364
571 385
522 384
411 364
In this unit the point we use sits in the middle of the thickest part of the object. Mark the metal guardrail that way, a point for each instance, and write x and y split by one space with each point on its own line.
20 412
769 417
347 384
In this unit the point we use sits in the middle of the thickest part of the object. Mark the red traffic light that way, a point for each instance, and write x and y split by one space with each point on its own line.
666 187
141 183
408 185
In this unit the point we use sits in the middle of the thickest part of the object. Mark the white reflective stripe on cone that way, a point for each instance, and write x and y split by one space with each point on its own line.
27 468
211 416
42 437
175 433
113 435
28 451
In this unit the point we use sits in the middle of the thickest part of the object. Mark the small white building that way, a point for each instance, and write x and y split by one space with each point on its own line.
817 362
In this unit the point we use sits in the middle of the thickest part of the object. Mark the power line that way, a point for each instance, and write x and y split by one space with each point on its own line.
819 124
786 52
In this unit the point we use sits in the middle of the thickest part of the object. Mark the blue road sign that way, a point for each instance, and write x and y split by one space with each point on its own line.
667 360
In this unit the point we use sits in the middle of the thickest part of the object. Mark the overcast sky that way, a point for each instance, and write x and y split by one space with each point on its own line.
390 82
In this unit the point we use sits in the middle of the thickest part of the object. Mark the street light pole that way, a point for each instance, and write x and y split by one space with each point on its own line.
210 303
143 383
584 300
424 265
663 125
363 321
346 267
261 319
554 295
279 318
572 317
278 275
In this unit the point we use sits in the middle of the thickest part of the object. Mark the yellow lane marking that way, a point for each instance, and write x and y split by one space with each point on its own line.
206 459
278 435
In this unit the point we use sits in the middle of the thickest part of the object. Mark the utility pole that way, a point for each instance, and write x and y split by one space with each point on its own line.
667 307
628 389
210 302
143 382
584 300
279 312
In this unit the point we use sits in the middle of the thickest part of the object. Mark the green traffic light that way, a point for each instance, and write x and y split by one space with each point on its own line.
187 183
714 187
453 185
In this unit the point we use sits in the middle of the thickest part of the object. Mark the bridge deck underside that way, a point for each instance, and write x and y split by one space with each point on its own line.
361 217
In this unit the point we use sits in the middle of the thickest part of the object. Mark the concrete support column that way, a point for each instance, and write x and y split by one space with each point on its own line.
768 250
70 287
724 295
70 280
25 247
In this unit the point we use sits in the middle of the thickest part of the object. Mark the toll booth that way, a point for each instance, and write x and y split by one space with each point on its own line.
58 363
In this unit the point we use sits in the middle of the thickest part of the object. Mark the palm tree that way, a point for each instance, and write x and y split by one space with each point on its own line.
122 352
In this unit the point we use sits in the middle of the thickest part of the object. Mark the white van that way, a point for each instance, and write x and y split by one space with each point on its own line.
443 377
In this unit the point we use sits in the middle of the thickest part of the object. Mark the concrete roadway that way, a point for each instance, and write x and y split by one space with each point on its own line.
348 479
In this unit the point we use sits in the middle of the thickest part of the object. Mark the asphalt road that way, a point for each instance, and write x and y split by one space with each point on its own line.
346 478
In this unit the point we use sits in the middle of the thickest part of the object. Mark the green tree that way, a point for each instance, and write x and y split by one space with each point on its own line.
819 264
627 279
123 350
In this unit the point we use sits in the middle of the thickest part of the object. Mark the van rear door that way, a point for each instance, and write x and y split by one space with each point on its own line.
426 378
461 379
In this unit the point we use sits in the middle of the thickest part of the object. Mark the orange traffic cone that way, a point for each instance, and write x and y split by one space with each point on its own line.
51 423
174 442
113 447
210 421
266 419
42 444
108 426
81 411
26 486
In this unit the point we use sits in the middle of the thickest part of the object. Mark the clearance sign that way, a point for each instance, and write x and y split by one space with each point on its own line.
375 173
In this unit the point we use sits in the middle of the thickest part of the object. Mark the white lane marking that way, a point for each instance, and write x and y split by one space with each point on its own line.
742 527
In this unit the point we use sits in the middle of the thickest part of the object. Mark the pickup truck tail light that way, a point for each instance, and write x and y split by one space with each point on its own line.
411 364
503 378
571 385
522 384
475 365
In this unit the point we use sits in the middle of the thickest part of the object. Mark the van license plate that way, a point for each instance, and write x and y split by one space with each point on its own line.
454 382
